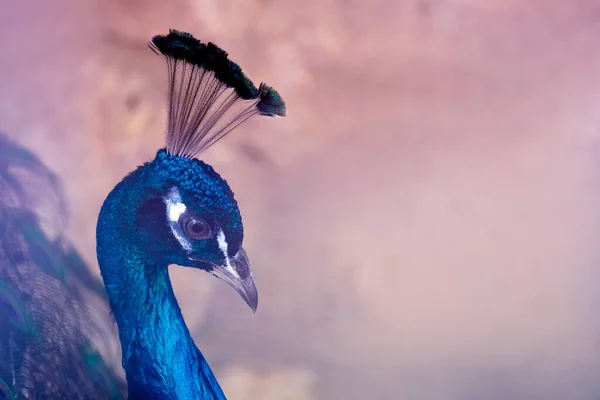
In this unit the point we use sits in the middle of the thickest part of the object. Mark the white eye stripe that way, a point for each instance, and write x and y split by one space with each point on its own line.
175 208
222 242
224 248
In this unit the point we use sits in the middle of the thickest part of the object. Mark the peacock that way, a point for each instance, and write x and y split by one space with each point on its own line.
174 209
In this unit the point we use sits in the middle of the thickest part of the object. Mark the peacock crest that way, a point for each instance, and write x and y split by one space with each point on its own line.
209 95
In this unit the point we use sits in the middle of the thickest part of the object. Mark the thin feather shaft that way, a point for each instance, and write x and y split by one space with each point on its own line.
204 89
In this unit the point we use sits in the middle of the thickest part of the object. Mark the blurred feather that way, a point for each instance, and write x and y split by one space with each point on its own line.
48 328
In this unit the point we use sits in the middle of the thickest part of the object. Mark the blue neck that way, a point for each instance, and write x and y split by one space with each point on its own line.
160 358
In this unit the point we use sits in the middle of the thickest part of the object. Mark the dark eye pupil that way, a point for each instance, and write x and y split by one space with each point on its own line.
196 228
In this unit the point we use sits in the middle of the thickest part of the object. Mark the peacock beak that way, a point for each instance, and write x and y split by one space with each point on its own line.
236 272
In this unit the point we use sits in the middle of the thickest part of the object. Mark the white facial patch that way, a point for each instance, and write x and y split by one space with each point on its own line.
175 208
223 246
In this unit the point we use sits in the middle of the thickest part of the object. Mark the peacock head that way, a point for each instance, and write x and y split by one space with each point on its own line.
184 212
187 215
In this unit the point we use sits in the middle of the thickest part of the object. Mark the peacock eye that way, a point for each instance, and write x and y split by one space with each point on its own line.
196 228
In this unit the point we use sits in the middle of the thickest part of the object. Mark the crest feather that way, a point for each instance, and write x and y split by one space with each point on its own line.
209 95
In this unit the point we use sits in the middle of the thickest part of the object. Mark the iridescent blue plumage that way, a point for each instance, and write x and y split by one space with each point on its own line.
172 210
135 247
